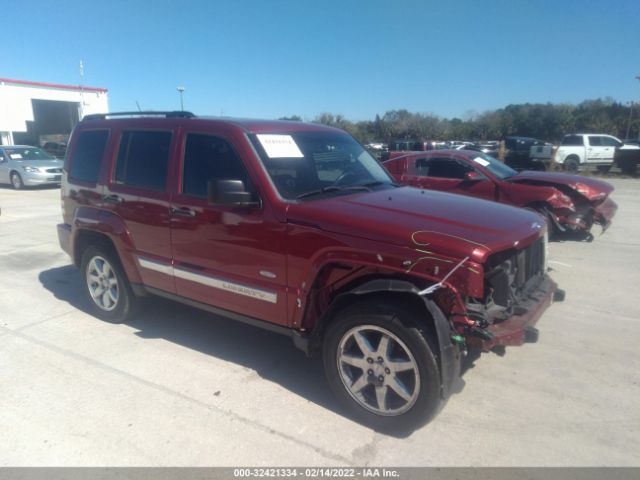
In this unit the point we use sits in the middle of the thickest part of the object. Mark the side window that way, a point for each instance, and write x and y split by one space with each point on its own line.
447 168
143 158
610 142
87 157
422 167
595 141
209 158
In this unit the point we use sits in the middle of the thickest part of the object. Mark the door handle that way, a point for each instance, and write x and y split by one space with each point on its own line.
182 212
112 198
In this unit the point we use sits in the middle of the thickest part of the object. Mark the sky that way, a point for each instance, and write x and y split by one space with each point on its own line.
357 58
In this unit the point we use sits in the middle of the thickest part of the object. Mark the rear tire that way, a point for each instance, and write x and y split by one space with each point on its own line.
16 181
604 168
571 164
106 285
381 366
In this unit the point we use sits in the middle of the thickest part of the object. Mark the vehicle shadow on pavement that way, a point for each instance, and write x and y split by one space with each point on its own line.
270 355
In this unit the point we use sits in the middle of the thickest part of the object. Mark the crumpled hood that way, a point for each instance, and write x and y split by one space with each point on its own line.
591 188
444 223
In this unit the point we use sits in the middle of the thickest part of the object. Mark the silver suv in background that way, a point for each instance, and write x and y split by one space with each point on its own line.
22 165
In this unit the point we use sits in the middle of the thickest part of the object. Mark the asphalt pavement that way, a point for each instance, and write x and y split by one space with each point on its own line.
179 387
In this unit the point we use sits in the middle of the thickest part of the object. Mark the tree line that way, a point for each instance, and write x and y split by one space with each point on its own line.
546 121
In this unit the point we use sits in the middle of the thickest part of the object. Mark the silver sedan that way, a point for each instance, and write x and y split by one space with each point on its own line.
22 165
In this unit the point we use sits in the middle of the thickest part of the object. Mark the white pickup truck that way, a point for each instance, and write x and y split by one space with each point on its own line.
589 149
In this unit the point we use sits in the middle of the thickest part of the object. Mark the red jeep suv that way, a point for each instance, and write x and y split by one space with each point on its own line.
295 228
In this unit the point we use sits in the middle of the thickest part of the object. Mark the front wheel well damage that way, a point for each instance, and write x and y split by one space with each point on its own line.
437 327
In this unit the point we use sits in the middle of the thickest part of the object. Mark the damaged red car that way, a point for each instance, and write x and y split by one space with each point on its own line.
568 202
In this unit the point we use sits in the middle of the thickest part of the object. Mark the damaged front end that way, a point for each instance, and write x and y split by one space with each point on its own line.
517 291
574 203
584 214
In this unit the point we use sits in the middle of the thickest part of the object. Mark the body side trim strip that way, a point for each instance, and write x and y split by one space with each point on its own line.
213 282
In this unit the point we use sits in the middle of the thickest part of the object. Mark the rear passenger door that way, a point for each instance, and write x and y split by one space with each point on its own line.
232 258
137 193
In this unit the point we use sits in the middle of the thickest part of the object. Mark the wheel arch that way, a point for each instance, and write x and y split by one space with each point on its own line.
393 289
92 226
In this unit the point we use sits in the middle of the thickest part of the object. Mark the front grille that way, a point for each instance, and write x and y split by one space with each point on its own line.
512 274
530 262
54 170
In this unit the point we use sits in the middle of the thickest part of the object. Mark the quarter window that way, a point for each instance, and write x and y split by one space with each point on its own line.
572 141
143 158
88 154
209 158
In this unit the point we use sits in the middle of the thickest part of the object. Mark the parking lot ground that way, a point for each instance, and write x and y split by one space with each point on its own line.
180 387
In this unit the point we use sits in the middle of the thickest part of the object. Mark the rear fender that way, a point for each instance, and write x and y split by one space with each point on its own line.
109 225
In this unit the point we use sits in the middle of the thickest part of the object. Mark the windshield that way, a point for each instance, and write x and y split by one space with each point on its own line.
305 163
495 167
27 154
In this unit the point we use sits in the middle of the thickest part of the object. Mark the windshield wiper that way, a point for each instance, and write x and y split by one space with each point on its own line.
376 183
337 188
333 188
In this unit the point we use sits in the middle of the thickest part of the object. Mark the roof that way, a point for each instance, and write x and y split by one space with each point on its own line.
29 83
246 124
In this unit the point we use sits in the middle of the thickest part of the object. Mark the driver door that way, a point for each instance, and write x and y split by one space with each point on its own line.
232 258
448 175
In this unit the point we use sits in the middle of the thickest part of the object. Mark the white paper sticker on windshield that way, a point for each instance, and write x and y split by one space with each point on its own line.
280 146
15 156
481 161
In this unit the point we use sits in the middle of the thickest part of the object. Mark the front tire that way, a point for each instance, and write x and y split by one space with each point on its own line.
381 366
105 284
16 181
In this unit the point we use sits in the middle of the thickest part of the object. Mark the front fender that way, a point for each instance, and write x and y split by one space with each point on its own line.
448 354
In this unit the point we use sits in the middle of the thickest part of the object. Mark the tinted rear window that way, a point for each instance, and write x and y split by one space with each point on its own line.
572 141
88 154
143 158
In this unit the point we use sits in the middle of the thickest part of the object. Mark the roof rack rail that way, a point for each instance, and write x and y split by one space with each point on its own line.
173 114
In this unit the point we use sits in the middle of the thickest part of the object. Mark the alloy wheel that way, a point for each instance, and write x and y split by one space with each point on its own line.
378 370
102 283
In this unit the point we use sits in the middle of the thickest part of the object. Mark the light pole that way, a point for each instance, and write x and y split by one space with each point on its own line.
629 121
181 90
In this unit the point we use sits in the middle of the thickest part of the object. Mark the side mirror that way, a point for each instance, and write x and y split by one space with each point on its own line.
474 177
229 193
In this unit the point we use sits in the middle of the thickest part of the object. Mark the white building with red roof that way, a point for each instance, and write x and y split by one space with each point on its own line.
32 113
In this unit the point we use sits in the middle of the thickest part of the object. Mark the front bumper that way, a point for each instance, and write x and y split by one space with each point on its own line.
604 213
517 328
40 178
584 218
